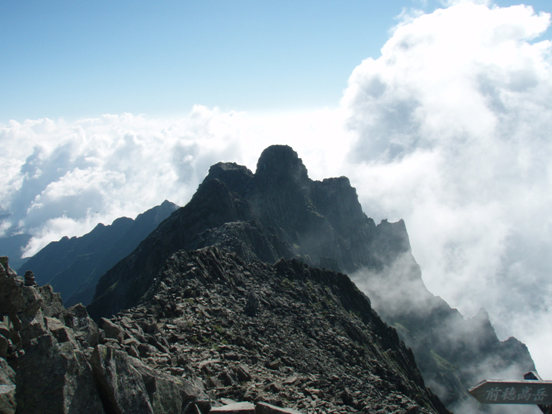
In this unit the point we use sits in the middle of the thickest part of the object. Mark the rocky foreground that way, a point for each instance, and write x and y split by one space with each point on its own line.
210 332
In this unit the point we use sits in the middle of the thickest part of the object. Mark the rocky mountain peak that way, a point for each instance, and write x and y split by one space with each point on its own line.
279 165
279 212
236 177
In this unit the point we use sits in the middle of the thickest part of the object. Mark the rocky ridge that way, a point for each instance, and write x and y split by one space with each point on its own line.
56 360
278 212
212 330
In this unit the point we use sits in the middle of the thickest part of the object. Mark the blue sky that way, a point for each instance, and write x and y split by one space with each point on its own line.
77 59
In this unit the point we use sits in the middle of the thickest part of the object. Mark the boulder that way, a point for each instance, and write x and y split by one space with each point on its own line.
7 388
76 317
52 304
127 385
54 378
121 387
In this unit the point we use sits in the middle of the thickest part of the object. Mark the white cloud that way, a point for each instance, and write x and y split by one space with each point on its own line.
453 124
65 177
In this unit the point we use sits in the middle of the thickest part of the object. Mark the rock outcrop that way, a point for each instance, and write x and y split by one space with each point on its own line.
55 360
212 334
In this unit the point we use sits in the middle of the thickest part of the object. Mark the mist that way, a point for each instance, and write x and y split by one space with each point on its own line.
452 129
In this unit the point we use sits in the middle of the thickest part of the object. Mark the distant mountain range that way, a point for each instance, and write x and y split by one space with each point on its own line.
74 265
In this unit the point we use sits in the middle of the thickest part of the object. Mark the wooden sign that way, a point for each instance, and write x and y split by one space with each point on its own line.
513 392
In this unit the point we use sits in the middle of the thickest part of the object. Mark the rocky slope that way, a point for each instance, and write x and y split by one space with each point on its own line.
55 360
211 330
74 265
278 212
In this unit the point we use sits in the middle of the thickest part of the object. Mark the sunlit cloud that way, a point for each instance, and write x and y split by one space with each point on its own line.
453 124
65 177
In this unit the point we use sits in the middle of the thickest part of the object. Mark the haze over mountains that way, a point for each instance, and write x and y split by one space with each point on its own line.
279 212
74 266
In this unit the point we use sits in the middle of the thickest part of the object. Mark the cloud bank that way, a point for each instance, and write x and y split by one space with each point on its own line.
454 125
62 178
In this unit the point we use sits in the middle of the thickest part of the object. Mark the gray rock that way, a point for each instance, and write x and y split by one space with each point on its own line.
112 330
76 317
265 408
55 378
120 385
52 304
7 388
4 345
167 393
127 385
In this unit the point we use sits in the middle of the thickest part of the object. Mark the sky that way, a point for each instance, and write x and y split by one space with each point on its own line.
439 113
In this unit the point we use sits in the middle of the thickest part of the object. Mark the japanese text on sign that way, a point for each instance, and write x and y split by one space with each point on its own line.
526 394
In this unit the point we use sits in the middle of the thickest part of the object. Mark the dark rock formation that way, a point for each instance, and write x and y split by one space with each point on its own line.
56 360
74 266
7 382
278 212
313 345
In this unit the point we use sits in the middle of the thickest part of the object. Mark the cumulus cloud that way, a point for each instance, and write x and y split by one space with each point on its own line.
453 127
62 178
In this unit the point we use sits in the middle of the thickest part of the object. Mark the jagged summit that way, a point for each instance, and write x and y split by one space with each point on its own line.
279 212
280 165
236 177
284 212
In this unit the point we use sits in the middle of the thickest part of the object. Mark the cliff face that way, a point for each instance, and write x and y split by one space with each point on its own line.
74 266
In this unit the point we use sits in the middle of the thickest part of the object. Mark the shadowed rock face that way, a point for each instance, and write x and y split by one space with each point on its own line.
278 212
